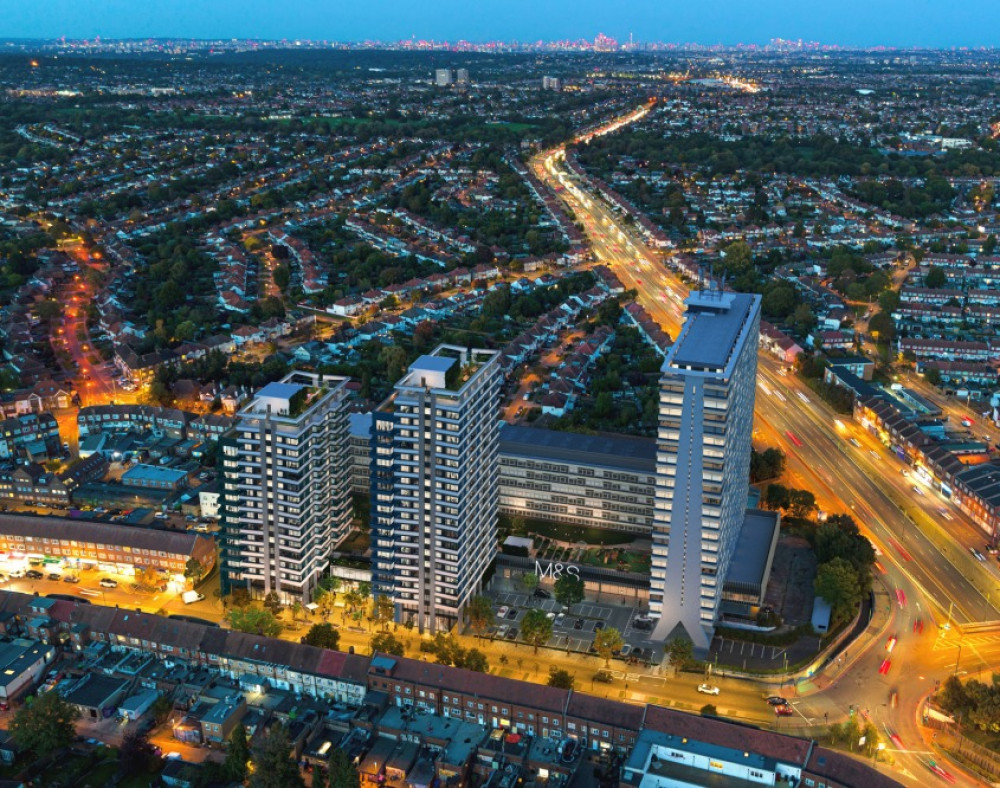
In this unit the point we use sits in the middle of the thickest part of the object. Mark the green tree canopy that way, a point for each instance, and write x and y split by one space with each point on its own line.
44 724
536 628
322 635
237 754
342 771
568 590
387 643
254 620
561 678
481 614
837 582
606 642
272 764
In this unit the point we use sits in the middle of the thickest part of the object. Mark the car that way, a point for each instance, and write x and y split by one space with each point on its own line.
890 644
70 579
578 624
512 614
918 626
708 689
33 574
541 593
107 582
502 612
976 554
624 651
776 700
55 576
502 631
784 711
883 669
904 472
901 597
598 626
893 699
512 633
560 620
917 490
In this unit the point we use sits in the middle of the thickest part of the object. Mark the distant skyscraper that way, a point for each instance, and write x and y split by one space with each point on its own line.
286 487
551 83
435 494
703 460
442 77
462 76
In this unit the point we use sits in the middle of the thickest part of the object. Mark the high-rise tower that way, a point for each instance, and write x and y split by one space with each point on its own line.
703 459
435 473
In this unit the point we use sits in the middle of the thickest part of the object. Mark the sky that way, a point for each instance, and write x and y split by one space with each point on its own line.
900 23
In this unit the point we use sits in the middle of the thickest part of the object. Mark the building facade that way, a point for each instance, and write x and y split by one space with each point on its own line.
286 496
703 460
434 485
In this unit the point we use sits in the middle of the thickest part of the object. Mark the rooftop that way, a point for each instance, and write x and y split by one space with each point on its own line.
618 451
713 324
753 546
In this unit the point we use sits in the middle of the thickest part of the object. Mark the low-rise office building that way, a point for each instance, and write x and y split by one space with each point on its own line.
596 481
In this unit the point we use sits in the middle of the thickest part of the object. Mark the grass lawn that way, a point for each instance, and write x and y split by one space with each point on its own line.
634 562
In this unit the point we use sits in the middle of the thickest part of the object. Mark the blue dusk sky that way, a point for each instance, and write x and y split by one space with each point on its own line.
902 23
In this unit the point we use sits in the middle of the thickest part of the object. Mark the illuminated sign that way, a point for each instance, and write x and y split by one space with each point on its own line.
555 570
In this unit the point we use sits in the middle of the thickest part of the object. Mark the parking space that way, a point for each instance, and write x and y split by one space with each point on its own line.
573 630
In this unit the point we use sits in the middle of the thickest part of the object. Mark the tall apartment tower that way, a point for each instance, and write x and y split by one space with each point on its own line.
707 392
286 486
462 76
435 485
551 83
442 77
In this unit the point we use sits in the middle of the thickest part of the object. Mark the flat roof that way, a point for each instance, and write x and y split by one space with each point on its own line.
94 690
607 450
434 363
157 473
712 326
279 390
753 546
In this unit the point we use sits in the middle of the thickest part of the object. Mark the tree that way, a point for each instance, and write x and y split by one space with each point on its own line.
777 496
530 581
272 602
342 771
48 310
932 376
281 276
237 755
952 695
353 598
708 710
768 464
562 679
607 642
568 590
837 582
44 724
384 610
193 570
476 660
271 761
481 614
254 620
536 628
680 650
387 643
801 502
935 277
322 635
135 755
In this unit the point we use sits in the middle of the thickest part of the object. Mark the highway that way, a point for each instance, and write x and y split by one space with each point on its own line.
928 576
849 478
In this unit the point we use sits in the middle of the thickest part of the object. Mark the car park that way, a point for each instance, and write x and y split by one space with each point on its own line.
708 689
560 620
512 614
502 631
578 624
502 612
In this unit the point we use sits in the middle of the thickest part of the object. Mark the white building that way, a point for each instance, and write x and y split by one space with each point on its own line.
462 76
442 77
703 460
434 485
286 493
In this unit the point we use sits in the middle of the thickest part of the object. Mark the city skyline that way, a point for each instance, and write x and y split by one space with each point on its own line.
891 24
